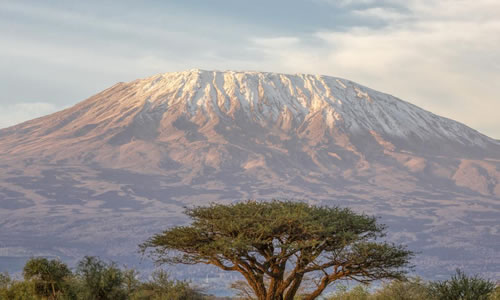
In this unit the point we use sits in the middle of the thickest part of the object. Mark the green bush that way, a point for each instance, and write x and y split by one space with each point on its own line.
16 290
495 295
411 289
462 287
161 287
459 287
359 292
100 280
93 280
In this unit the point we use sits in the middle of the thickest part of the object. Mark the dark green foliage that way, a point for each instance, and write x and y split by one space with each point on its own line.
462 287
48 276
100 280
94 280
103 281
264 240
459 287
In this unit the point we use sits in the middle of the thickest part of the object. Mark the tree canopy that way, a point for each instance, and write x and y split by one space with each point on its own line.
274 245
47 275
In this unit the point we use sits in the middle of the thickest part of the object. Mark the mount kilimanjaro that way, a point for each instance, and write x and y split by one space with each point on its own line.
100 177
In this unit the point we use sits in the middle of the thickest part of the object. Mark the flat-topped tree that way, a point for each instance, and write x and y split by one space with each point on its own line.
275 244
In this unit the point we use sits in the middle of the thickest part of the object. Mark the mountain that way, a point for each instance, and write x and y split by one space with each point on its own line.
102 176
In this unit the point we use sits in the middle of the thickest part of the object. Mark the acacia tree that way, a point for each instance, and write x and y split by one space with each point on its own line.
275 244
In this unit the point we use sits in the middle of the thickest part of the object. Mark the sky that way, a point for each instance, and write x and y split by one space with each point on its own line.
441 55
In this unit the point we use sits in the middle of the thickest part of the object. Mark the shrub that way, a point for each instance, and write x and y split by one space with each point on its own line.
359 292
411 289
462 287
100 280
161 287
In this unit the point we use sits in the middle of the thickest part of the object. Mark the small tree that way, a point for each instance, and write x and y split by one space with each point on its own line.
100 280
359 292
268 240
462 287
5 280
48 276
162 287
411 289
131 282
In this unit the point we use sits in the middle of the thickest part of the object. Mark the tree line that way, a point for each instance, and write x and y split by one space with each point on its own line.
93 279
284 250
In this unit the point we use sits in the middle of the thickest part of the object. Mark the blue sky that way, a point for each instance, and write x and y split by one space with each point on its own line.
441 55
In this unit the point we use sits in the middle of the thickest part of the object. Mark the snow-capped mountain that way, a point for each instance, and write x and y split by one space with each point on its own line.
127 158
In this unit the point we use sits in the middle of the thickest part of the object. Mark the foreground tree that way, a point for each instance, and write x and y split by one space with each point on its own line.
48 276
243 291
275 244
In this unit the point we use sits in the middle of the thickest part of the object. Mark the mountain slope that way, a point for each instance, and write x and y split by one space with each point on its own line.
129 158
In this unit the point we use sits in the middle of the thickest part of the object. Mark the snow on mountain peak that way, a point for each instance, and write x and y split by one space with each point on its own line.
219 107
267 97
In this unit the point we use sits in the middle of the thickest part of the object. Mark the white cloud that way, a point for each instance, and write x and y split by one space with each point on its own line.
277 42
13 114
441 55
387 14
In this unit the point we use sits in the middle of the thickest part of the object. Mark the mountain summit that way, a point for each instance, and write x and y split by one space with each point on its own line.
136 153
227 109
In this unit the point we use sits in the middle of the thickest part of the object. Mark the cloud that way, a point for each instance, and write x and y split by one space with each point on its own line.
386 14
277 42
441 55
13 114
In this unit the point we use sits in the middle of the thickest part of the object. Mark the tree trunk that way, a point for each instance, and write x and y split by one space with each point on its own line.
324 283
53 290
292 290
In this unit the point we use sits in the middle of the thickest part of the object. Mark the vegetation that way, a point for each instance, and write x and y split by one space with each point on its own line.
94 279
284 250
463 287
274 245
48 276
411 289
459 287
